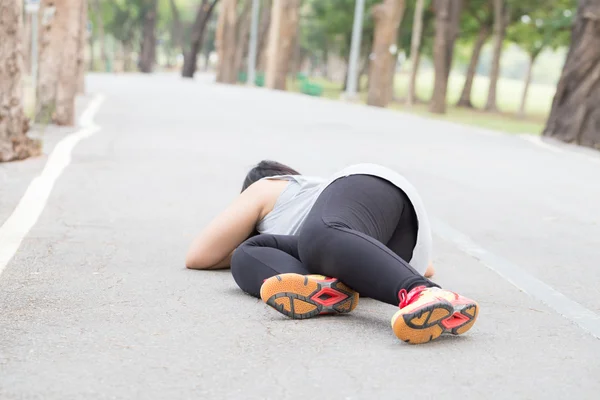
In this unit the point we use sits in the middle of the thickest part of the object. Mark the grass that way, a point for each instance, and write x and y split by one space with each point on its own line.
509 97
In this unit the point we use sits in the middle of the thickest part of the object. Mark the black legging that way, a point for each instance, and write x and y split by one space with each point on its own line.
343 237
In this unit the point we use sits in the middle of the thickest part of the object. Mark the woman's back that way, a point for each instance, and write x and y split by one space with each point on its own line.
296 200
292 205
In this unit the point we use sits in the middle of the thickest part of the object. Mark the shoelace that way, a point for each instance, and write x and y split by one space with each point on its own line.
407 297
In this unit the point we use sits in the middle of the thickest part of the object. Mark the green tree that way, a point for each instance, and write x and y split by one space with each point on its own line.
575 115
547 26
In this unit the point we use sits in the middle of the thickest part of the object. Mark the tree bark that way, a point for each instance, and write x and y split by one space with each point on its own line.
49 58
27 43
388 16
127 59
446 30
177 28
284 27
14 143
522 108
465 97
575 115
58 54
499 33
415 49
412 89
226 42
263 36
100 26
66 90
190 58
81 66
242 38
148 45
364 69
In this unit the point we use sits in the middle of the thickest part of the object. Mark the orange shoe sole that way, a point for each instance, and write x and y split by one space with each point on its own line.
434 319
301 297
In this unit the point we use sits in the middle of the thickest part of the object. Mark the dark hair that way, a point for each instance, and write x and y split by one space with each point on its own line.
267 168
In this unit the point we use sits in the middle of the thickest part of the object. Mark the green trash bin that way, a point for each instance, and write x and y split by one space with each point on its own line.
260 79
242 77
311 89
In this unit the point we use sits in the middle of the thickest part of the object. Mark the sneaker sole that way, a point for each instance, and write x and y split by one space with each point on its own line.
431 321
300 297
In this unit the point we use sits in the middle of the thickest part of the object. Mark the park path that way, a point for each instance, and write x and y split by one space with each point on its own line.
97 304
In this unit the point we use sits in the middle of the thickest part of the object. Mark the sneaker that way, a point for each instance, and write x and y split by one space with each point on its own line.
426 313
300 297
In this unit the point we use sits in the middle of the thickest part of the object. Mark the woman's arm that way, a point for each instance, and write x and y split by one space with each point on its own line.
212 249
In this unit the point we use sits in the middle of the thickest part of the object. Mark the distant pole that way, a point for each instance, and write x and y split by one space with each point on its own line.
32 7
253 43
359 10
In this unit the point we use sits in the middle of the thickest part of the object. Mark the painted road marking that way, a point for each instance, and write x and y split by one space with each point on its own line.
27 212
586 319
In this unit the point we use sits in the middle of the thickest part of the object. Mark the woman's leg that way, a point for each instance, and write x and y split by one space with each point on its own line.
344 233
343 237
262 257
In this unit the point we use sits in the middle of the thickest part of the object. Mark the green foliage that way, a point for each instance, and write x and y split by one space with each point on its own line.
123 19
546 26
326 27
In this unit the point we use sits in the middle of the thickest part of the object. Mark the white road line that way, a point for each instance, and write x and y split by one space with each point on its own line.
586 319
27 212
538 141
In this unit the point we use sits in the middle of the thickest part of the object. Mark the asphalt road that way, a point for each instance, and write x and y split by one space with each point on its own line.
97 304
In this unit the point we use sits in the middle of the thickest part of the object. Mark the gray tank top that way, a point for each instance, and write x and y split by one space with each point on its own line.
298 197
292 206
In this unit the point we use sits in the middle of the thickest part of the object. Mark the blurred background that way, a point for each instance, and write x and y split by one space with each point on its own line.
491 63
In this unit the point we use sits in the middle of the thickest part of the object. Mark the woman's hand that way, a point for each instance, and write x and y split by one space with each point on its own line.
430 271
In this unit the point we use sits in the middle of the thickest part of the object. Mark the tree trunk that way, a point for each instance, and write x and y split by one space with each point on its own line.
14 143
148 45
465 97
414 74
27 43
575 115
49 58
66 90
92 44
499 33
415 51
58 54
522 108
284 27
190 58
100 26
364 69
127 57
177 28
226 42
387 16
81 66
296 54
447 20
242 38
263 36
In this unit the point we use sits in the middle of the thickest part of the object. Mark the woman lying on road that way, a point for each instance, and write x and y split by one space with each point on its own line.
355 230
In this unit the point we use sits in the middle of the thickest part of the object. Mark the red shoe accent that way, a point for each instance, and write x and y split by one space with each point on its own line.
457 319
328 296
408 297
